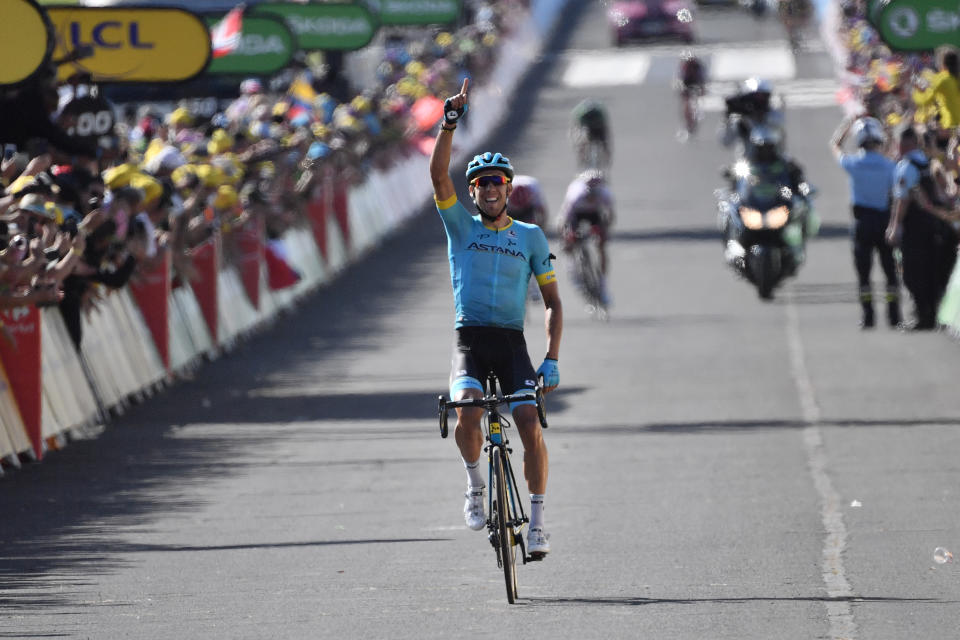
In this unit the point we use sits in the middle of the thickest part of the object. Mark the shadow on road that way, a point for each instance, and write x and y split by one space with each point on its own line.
708 234
729 426
619 601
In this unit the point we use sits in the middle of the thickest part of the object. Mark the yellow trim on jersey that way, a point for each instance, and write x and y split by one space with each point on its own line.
446 204
546 278
508 225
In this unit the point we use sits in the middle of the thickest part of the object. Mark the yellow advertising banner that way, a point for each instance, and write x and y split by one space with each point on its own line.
25 40
131 44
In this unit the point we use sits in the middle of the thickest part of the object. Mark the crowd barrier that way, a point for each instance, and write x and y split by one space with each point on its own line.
146 334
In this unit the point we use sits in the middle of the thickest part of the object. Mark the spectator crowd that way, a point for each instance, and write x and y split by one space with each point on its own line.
79 218
914 98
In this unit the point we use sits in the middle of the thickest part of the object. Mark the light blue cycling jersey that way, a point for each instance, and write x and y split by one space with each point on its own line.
490 268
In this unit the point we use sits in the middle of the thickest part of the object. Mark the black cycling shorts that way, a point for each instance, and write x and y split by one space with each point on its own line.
479 350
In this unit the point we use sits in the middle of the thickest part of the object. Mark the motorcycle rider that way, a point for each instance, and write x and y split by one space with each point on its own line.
767 165
589 199
749 107
871 184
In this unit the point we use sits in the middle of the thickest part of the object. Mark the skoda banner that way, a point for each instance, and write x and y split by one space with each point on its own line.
266 46
131 44
918 25
415 12
26 40
327 27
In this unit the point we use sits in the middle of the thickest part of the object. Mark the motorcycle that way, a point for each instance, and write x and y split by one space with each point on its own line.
757 8
765 225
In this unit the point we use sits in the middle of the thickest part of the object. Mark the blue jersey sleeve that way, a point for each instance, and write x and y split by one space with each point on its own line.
540 261
456 218
847 162
905 177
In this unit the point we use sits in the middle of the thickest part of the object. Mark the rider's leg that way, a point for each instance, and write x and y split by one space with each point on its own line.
535 462
468 435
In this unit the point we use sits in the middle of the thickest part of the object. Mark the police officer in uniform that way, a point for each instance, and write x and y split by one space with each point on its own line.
871 183
917 225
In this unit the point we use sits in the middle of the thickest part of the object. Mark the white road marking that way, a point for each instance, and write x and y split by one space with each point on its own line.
839 613
772 63
808 93
606 69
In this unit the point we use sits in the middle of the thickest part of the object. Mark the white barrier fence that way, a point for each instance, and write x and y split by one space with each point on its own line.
119 359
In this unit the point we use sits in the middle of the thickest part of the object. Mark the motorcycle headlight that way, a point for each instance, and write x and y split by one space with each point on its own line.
777 217
752 219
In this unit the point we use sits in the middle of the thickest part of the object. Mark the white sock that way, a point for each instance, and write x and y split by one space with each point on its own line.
536 510
474 476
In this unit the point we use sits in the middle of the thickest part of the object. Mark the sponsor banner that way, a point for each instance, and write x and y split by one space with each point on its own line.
26 40
415 12
327 27
206 258
341 207
131 44
317 212
250 244
22 364
151 290
917 25
266 46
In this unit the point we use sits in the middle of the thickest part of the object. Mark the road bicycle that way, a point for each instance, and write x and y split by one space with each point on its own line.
587 268
506 518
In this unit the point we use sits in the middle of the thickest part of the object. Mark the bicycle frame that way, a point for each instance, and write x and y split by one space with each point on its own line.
493 425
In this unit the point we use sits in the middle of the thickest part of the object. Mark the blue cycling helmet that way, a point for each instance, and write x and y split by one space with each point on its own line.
490 160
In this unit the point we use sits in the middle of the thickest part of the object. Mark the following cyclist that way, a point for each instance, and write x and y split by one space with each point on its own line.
590 200
589 132
492 258
691 82
526 202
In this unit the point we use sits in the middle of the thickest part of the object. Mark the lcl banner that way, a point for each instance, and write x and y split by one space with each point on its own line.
131 44
26 40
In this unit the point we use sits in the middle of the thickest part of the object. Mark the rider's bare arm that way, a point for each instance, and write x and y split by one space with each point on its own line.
440 158
550 292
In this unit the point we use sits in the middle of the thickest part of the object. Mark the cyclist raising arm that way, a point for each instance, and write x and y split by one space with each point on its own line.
491 260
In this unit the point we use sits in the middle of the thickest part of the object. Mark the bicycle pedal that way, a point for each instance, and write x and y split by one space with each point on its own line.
536 557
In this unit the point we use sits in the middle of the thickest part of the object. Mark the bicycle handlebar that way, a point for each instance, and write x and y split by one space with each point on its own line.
490 402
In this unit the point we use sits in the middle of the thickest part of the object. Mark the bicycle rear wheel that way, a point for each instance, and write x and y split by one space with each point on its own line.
588 264
508 545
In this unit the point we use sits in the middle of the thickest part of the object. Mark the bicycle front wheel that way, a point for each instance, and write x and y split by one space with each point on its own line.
508 547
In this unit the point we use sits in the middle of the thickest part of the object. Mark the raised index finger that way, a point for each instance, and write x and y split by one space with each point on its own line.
463 89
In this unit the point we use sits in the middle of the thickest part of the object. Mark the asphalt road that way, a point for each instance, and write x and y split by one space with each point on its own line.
706 448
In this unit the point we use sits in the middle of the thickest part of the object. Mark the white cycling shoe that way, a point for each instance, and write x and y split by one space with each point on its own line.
538 542
473 509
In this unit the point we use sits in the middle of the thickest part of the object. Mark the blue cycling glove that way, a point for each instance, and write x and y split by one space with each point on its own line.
550 372
451 115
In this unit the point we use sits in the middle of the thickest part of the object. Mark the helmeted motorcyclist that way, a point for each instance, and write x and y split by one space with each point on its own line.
766 165
749 107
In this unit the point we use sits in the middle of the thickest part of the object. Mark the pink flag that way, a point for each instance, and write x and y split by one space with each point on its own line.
225 35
